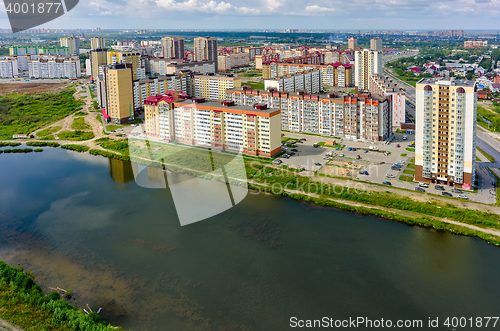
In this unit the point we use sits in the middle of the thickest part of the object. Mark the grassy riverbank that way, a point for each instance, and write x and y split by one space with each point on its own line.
23 303
22 113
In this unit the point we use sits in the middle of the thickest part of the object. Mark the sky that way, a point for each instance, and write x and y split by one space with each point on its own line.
279 14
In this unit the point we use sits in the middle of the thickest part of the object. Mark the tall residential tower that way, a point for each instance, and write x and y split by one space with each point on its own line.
445 133
205 48
172 47
368 62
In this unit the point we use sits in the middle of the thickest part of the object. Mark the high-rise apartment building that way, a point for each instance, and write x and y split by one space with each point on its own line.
367 63
132 57
352 43
172 47
205 49
445 134
475 43
73 44
119 95
376 44
9 67
98 57
214 87
255 130
306 81
54 67
97 42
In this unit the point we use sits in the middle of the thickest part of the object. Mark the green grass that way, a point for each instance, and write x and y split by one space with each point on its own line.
409 172
488 156
255 85
412 160
135 121
76 135
80 124
404 154
49 137
23 113
46 132
110 127
92 93
76 148
120 146
492 117
80 113
406 178
323 143
477 158
42 144
411 165
410 149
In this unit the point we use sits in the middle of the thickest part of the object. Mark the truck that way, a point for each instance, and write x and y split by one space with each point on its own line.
373 148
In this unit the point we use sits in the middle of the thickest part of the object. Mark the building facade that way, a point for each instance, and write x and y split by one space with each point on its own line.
445 145
119 93
227 62
352 43
384 85
123 57
367 63
200 67
172 47
54 67
72 43
359 117
376 44
8 67
307 81
205 49
214 87
475 43
97 43
252 130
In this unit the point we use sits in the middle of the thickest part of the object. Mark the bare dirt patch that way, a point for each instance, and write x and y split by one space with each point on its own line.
32 88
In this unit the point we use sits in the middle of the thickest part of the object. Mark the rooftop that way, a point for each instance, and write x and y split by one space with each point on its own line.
219 105
447 82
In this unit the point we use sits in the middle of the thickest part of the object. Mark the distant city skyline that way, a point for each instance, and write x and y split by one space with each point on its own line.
279 14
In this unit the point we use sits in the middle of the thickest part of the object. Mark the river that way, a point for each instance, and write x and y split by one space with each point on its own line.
81 222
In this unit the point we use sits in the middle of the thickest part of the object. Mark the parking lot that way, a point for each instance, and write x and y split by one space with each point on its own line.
378 166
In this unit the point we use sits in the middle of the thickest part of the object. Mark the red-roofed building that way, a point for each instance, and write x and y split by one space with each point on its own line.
156 105
496 80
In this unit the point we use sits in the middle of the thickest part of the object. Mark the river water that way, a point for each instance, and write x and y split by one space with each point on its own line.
81 222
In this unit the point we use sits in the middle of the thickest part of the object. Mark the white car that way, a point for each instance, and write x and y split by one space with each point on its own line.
463 196
423 185
341 154
405 137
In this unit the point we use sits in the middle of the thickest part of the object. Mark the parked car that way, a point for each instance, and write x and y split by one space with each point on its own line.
338 148
390 176
395 168
456 190
419 189
423 185
405 137
463 196
294 150
341 154
358 157
366 151
277 161
286 156
439 187
303 139
349 149
447 194
112 131
291 153
397 165
318 164
353 149
387 183
411 146
398 145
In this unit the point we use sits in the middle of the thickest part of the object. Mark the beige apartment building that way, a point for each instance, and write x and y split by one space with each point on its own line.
205 49
376 44
253 130
131 57
352 43
445 134
120 96
98 57
172 47
97 42
214 87
72 43
384 85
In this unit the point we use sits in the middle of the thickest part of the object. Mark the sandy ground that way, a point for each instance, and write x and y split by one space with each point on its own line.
6 326
31 88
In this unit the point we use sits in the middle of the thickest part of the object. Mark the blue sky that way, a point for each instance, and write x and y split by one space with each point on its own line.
280 14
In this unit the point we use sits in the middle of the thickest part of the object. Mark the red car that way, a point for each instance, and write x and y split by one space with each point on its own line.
398 146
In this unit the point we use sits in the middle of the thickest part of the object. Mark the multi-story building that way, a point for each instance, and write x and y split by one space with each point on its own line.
119 103
132 57
180 82
228 61
172 47
205 49
352 43
445 133
384 85
201 67
475 43
98 57
54 67
334 74
72 43
253 130
360 117
214 87
367 63
376 44
306 81
97 43
8 67
29 50
61 51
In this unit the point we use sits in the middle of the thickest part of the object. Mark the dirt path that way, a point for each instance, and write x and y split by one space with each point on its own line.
6 326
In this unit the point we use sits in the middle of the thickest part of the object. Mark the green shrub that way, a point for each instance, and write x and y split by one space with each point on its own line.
5 144
38 150
42 144
76 148
109 154
48 131
75 135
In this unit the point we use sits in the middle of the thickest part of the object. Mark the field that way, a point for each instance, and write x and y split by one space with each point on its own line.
32 88
21 113
255 85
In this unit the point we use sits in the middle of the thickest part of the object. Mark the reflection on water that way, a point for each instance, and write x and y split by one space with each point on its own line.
81 225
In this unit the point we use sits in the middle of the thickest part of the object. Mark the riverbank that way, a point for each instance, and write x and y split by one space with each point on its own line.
23 303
